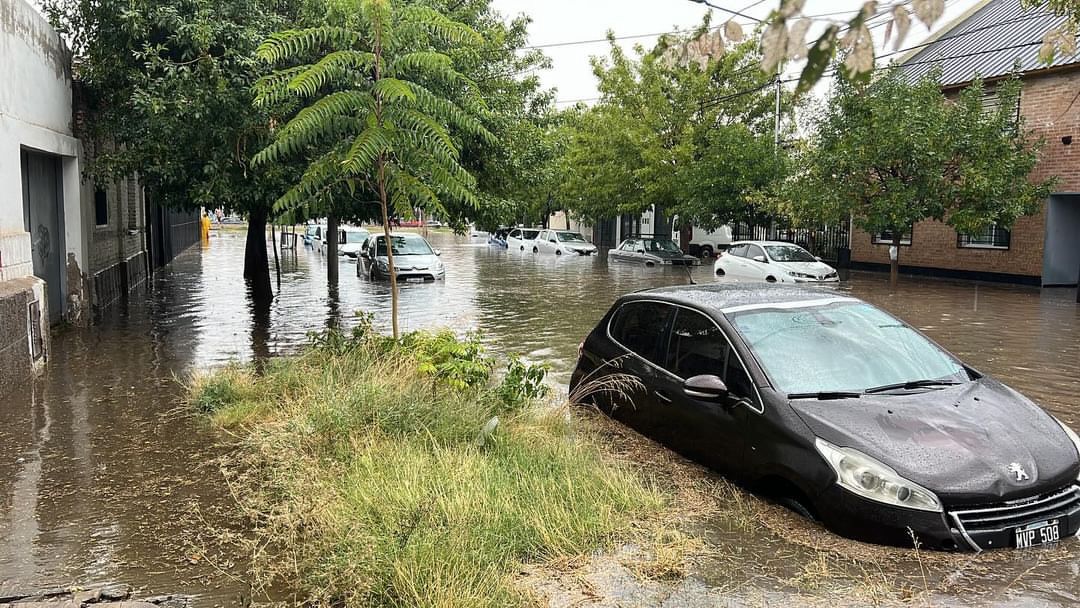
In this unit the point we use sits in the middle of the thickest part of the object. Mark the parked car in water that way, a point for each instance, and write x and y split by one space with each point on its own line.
841 411
521 238
562 241
414 259
498 238
350 240
651 252
772 262
313 235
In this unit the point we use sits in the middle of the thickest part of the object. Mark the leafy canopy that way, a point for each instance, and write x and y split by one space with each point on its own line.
372 116
695 138
896 152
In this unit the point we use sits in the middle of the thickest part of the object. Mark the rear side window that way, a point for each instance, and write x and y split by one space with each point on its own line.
642 328
738 250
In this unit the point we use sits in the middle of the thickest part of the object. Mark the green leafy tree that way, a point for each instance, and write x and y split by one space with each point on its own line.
170 88
894 153
694 139
372 112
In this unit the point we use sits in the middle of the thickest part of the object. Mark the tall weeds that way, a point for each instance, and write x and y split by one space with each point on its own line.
368 483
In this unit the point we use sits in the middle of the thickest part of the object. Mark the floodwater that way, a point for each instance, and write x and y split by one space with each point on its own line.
104 477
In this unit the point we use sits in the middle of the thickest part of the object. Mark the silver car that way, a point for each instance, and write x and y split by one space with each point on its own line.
651 252
414 259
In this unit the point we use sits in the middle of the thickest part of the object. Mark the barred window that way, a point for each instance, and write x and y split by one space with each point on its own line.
885 237
993 236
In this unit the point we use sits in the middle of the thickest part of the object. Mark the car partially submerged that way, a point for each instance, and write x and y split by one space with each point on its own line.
772 262
414 259
839 410
651 252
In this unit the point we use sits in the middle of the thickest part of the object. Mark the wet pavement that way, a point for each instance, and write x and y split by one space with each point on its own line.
105 477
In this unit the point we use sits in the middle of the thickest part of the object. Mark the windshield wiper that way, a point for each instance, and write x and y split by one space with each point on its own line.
911 384
823 395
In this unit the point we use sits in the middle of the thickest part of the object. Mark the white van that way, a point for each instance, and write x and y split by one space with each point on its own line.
703 243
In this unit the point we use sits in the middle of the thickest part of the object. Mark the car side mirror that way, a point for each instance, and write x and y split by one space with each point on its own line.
552 241
705 387
817 258
760 258
437 252
364 254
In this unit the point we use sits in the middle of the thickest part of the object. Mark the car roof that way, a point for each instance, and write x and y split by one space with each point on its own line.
724 298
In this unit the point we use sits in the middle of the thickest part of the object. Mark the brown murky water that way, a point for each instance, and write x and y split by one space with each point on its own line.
103 476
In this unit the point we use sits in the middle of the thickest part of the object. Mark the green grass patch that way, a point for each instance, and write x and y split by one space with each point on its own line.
379 476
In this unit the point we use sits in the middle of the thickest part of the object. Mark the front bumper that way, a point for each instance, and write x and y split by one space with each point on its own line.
858 518
835 279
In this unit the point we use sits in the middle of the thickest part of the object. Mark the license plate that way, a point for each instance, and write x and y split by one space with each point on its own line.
414 280
1041 533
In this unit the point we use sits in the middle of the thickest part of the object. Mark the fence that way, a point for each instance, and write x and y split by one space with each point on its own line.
832 243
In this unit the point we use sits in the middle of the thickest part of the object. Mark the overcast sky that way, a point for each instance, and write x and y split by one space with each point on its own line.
560 21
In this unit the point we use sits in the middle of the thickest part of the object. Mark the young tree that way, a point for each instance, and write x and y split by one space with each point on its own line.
372 110
894 153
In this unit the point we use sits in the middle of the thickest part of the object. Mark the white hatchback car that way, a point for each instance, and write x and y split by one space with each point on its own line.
562 241
520 239
772 262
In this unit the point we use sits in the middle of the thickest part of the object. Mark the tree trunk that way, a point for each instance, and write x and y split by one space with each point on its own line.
389 249
273 244
894 262
331 249
256 263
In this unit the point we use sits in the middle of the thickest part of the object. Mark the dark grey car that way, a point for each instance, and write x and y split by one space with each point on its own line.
651 252
841 411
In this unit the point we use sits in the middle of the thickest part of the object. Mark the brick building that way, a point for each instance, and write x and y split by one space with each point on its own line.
1043 249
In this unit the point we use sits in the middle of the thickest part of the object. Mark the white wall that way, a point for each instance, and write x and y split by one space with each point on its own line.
35 114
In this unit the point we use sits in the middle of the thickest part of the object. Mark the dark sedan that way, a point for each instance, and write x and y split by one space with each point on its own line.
651 252
840 411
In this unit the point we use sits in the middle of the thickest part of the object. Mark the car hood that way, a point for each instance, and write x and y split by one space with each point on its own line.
578 245
668 255
349 247
406 263
814 268
958 442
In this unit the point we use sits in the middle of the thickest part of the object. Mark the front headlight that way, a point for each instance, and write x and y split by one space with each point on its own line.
382 265
871 479
1072 437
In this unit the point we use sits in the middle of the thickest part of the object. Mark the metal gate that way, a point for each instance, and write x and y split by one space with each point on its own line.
825 242
43 205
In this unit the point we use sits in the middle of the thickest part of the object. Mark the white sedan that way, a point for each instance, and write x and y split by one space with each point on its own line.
772 262
562 241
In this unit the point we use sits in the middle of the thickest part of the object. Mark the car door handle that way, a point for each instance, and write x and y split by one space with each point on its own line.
662 396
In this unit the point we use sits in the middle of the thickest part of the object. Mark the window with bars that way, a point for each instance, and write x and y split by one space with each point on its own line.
993 236
885 237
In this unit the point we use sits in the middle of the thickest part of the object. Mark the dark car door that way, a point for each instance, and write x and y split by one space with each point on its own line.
711 433
641 329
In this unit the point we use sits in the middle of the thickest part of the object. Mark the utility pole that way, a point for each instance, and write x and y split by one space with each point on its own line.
776 126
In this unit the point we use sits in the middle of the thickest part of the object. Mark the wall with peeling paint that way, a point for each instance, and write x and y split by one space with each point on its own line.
35 117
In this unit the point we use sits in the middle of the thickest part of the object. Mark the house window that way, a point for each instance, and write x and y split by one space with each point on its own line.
993 236
101 207
885 237
991 101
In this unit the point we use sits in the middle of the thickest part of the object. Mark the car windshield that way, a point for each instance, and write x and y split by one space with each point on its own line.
529 235
652 245
789 253
570 237
839 347
404 246
356 236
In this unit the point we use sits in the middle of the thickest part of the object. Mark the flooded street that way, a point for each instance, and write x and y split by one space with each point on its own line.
105 477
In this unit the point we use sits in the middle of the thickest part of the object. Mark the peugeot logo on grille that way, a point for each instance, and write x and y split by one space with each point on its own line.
1019 471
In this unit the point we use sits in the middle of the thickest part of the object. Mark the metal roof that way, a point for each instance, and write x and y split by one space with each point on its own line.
994 40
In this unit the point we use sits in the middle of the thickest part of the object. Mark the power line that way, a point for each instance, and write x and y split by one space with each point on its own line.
729 11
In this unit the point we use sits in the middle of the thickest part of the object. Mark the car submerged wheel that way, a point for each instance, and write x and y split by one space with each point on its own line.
535 250
558 252
706 252
720 272
770 279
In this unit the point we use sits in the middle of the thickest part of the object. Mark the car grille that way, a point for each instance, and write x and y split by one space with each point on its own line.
993 518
